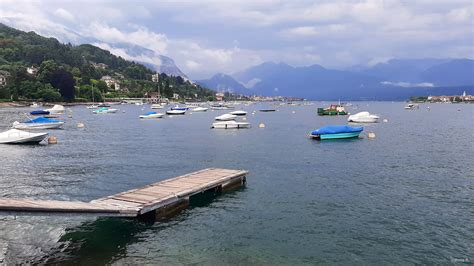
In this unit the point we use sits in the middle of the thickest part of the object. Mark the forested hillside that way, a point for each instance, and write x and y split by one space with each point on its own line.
42 68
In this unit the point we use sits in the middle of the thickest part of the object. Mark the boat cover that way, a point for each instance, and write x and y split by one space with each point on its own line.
39 112
150 113
42 120
336 130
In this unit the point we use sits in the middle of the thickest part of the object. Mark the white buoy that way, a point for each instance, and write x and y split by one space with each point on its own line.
385 120
371 135
52 140
261 125
70 116
80 125
293 112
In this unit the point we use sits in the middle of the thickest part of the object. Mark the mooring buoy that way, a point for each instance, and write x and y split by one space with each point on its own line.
52 140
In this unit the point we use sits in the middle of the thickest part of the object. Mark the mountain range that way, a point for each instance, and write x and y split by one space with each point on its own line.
396 79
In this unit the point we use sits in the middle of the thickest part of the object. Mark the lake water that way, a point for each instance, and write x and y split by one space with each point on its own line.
405 197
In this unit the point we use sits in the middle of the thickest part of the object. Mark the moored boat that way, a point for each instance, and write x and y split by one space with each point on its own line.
151 115
225 117
156 106
238 112
57 109
39 112
105 110
363 117
175 112
411 106
333 109
15 136
179 108
267 110
199 109
336 132
230 125
38 123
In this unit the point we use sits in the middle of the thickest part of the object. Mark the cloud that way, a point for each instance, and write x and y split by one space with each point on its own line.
304 31
190 64
144 58
407 84
227 36
64 14
141 36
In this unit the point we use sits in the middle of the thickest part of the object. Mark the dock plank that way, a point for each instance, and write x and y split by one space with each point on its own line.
132 202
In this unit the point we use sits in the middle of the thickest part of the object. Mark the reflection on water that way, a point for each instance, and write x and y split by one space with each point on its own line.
404 197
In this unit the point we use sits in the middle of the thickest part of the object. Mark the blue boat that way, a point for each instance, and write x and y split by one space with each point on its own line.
39 112
336 132
38 123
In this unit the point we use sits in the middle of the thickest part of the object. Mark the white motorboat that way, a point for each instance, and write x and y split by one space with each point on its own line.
38 123
57 109
175 112
139 103
94 106
363 117
151 115
225 117
239 112
156 106
34 105
230 125
15 136
105 110
200 109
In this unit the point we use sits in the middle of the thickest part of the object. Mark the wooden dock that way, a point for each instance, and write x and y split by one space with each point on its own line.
156 201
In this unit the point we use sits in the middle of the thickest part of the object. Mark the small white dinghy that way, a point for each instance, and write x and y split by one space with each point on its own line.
200 109
38 123
175 112
363 117
225 117
151 115
230 125
15 136
239 112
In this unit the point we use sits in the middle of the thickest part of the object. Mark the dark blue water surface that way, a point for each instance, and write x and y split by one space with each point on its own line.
405 197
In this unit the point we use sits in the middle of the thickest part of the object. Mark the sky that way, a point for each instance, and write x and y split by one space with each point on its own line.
206 37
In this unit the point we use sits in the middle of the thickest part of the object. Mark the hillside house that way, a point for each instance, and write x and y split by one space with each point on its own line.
3 77
111 81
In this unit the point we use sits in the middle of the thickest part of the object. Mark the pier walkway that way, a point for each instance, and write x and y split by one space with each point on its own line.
157 201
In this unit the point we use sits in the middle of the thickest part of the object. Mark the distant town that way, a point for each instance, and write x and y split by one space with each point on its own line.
464 98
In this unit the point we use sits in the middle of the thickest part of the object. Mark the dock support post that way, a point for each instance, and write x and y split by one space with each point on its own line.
171 210
233 184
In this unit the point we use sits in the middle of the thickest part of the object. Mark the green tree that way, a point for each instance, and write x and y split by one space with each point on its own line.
49 94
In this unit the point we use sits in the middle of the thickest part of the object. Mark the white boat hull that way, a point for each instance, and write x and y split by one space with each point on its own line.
225 117
363 117
199 109
175 112
230 125
151 116
238 113
156 106
15 136
36 126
